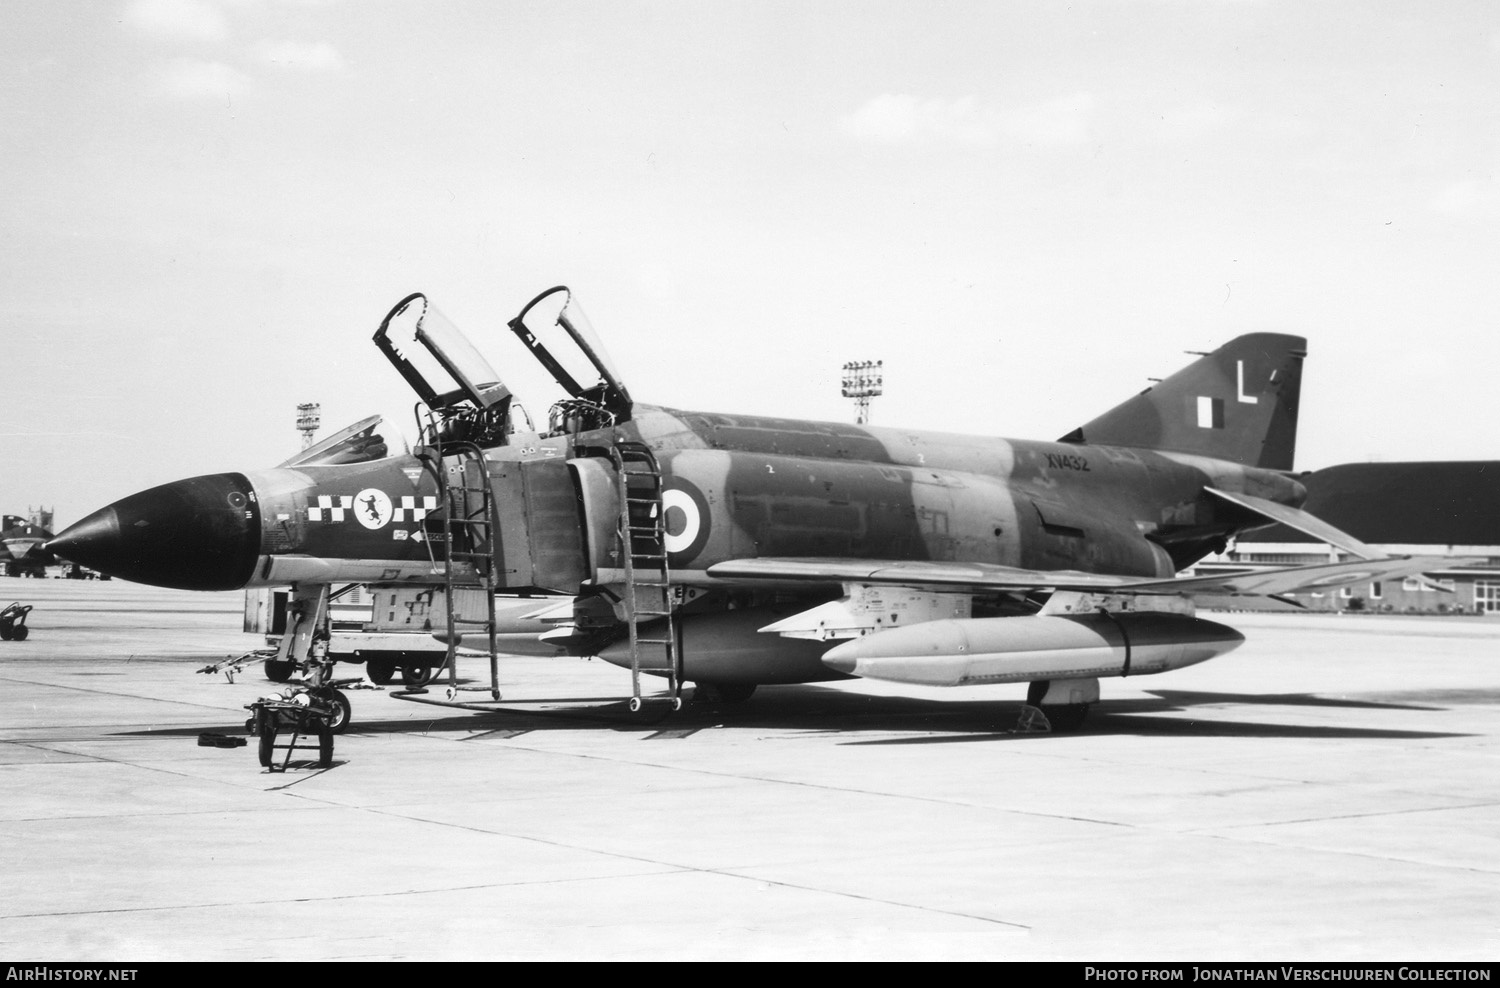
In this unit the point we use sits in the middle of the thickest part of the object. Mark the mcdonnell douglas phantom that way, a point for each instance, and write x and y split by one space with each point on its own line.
728 551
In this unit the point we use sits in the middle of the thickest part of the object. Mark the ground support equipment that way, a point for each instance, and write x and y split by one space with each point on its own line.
235 665
303 716
13 622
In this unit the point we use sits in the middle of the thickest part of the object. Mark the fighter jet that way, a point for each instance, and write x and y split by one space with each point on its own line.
728 551
22 547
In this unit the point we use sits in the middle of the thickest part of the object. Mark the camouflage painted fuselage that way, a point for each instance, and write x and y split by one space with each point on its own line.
738 487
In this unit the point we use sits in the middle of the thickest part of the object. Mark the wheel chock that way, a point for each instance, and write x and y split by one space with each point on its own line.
213 739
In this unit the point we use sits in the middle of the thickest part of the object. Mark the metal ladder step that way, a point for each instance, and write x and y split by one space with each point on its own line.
641 538
468 534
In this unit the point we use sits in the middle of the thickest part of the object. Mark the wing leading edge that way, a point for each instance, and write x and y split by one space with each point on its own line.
982 577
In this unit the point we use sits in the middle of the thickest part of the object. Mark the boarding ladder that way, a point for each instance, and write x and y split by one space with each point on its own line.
643 553
470 535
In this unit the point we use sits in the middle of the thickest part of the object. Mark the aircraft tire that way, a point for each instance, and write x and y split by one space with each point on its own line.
380 671
6 632
728 693
19 634
1065 717
278 671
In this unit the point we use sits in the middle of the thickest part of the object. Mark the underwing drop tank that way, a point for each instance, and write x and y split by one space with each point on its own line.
728 648
974 651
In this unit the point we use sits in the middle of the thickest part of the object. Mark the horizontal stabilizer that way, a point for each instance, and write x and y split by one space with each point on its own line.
1302 522
1299 579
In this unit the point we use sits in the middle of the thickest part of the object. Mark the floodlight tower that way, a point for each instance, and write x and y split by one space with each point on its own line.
309 417
863 380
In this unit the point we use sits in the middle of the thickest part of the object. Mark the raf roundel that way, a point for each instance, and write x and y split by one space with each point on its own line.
686 520
372 508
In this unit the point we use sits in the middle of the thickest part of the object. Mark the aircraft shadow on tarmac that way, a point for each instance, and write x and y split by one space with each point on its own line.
1185 698
821 709
1135 717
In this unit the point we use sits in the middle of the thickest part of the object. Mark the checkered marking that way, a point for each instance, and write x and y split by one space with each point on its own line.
409 503
330 507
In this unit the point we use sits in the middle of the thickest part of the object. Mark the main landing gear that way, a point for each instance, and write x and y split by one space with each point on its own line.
1057 706
722 693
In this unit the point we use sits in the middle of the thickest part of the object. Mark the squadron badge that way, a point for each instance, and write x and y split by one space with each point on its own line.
372 507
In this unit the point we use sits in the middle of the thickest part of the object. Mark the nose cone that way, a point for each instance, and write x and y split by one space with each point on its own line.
197 534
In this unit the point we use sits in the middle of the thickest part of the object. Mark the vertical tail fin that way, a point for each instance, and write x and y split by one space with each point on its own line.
1238 403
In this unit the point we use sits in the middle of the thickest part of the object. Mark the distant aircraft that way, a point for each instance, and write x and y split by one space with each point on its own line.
729 551
22 547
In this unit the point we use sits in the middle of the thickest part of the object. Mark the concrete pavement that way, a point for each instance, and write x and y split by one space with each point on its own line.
1328 792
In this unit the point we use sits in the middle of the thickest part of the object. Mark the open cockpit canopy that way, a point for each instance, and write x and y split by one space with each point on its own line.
554 328
436 359
455 381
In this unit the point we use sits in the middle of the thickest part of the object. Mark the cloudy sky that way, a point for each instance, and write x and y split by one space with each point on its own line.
1024 208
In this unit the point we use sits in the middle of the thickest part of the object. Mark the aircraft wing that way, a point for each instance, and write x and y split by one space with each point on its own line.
1297 579
909 573
980 577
